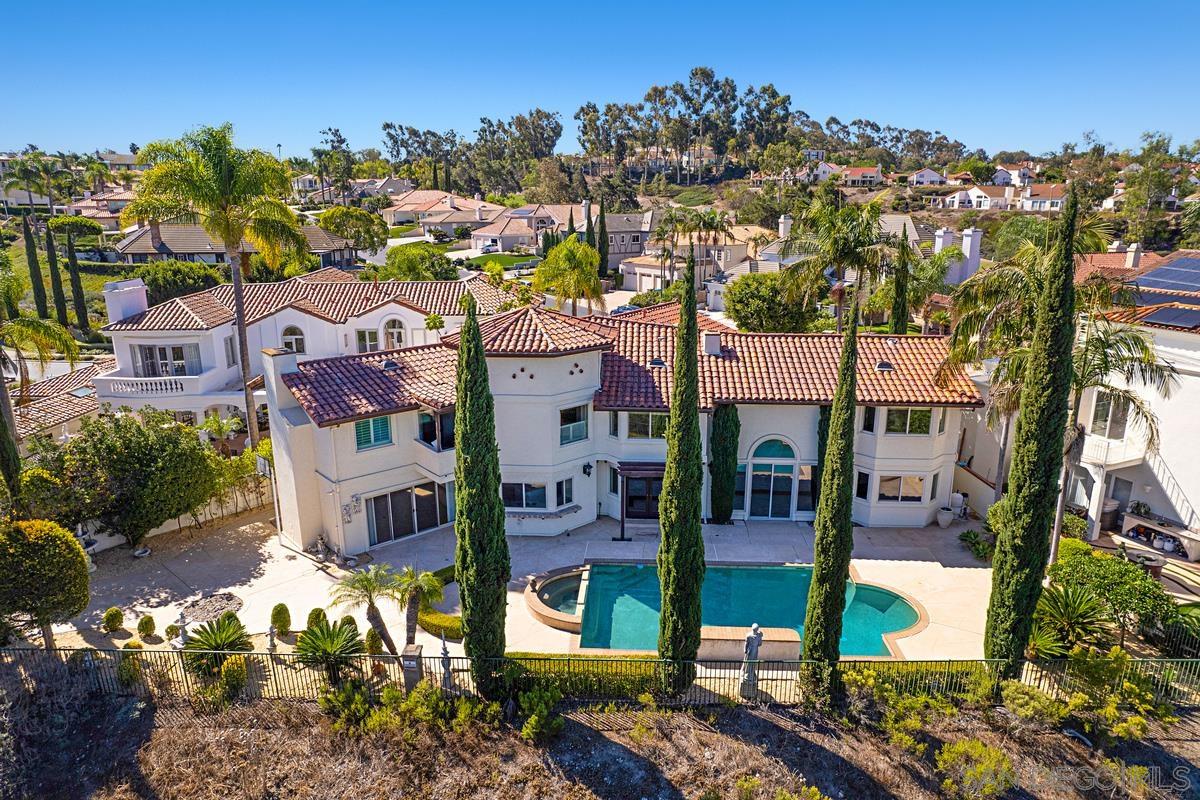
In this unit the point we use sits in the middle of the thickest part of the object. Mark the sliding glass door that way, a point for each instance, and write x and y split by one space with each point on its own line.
410 510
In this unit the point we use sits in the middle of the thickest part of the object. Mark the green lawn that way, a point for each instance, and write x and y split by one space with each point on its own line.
503 259
401 230
692 196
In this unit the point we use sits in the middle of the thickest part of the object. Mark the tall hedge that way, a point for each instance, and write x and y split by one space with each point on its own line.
722 452
45 575
56 287
681 550
71 227
602 241
833 530
1024 517
481 551
822 446
35 270
900 272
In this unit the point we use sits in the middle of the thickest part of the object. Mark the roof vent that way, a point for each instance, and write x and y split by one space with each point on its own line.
657 362
712 343
893 341
389 364
884 366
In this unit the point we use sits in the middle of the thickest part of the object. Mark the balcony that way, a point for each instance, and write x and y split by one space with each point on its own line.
1113 453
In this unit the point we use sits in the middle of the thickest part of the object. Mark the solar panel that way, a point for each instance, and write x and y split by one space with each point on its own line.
1180 275
1186 318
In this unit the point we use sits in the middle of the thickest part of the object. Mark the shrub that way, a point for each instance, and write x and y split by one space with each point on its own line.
981 544
373 643
133 644
747 787
211 643
315 616
349 622
145 626
1074 527
638 675
171 631
1111 699
281 618
1031 704
537 706
347 703
1130 595
113 619
438 622
129 668
1073 612
45 575
972 770
234 676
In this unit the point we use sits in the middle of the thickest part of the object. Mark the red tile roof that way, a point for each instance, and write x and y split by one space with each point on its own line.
535 331
753 368
1112 265
668 314
1137 315
330 294
61 399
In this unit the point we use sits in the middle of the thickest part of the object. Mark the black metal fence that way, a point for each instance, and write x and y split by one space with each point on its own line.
178 677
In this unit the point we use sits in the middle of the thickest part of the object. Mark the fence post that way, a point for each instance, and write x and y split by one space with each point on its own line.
412 666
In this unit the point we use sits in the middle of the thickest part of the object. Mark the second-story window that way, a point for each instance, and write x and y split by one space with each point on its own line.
374 432
647 426
166 361
1110 416
367 340
231 351
909 420
436 430
572 425
393 334
293 339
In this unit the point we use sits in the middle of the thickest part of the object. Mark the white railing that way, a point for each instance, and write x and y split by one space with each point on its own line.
114 385
1107 452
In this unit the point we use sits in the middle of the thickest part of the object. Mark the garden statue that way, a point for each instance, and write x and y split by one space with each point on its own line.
750 663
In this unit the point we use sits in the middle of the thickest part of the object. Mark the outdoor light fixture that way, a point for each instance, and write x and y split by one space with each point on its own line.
587 469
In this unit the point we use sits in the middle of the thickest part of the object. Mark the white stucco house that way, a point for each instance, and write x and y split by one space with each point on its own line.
364 447
1043 197
181 355
926 176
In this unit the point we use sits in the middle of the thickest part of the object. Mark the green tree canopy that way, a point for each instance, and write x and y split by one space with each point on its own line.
368 231
169 279
418 261
45 575
757 303
571 273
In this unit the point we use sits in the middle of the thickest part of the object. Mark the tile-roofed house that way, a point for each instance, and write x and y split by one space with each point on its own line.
329 294
104 207
534 331
1043 197
668 314
63 400
192 243
414 205
862 176
1124 264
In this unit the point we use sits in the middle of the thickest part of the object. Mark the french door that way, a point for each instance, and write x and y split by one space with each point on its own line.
771 490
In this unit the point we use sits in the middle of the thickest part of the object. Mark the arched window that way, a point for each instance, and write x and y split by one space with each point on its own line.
293 339
393 334
774 448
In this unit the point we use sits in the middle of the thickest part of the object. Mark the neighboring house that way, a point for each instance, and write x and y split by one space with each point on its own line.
181 355
360 189
364 446
955 198
413 205
926 176
971 244
1012 175
1043 197
58 405
192 243
818 173
305 184
627 235
1114 202
959 178
524 226
120 161
985 198
862 176
103 207
648 272
454 218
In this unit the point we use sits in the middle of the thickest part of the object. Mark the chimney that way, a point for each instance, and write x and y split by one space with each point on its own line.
124 298
712 343
942 238
1117 246
1133 256
155 235
585 210
277 362
478 196
972 239
450 201
479 213
785 226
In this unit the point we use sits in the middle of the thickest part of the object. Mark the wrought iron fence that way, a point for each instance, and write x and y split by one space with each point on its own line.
187 677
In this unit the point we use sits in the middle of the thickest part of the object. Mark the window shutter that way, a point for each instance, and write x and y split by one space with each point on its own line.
382 430
362 433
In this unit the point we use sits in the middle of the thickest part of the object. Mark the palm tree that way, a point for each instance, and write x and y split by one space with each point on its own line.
236 195
570 273
26 335
1073 614
49 173
96 173
832 236
220 430
417 590
331 648
926 275
22 175
365 588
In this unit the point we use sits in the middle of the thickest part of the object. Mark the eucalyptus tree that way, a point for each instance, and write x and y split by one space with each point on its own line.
236 195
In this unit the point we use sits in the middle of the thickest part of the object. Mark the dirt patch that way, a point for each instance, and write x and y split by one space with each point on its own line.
212 606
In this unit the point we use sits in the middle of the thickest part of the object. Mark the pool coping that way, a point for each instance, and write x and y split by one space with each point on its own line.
573 624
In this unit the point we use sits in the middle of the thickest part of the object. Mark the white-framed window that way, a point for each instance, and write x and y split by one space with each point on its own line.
293 339
647 425
612 238
231 351
1110 416
564 492
933 486
367 340
862 486
373 432
523 495
868 422
393 334
909 421
614 481
572 424
614 423
901 489
635 238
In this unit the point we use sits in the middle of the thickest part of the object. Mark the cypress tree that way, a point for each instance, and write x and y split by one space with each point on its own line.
10 459
822 447
726 429
904 261
1023 519
571 222
833 530
56 287
589 233
602 242
35 270
681 551
448 186
77 296
481 551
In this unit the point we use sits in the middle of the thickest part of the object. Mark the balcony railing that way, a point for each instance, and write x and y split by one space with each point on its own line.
1107 452
128 386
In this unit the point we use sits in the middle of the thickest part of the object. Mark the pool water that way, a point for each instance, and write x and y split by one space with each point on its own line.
623 602
562 594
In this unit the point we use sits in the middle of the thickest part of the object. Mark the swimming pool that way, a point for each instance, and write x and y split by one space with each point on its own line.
622 606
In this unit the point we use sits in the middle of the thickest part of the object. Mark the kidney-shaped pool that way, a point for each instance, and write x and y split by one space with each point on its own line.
622 606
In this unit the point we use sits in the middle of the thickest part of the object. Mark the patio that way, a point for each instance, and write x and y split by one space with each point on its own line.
246 559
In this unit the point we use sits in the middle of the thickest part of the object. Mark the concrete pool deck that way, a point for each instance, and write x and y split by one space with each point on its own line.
929 565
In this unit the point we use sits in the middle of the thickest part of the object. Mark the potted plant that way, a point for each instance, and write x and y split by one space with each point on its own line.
945 515
1140 508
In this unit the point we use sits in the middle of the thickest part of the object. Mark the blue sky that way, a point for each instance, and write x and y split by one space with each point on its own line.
994 75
